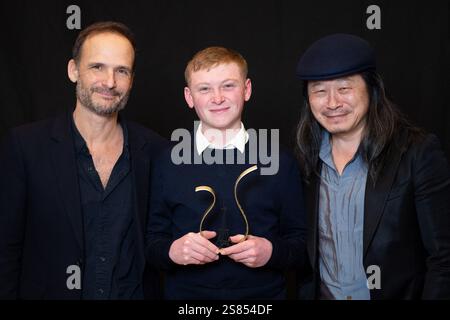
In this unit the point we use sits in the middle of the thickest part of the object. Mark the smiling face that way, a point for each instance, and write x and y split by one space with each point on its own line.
103 73
340 105
218 94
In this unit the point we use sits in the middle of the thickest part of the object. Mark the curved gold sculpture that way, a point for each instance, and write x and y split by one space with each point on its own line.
242 175
211 191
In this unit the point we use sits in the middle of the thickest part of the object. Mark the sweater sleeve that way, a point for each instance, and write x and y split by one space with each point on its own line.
432 189
12 216
158 236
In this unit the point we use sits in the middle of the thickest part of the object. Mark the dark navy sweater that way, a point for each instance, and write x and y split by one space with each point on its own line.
274 208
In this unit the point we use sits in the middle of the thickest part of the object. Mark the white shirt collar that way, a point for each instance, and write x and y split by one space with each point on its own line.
238 141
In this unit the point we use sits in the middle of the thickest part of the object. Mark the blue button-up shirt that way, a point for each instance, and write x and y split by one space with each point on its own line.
341 221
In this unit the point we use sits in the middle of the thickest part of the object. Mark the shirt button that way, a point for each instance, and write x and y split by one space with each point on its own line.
103 259
100 291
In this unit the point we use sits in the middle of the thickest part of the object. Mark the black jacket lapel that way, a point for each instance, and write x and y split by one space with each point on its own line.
376 195
64 162
140 162
312 205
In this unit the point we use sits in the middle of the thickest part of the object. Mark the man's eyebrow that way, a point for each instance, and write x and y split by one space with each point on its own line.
123 67
315 84
208 83
230 79
201 84
348 79
91 64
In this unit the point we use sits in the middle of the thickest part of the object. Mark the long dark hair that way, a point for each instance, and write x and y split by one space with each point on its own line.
384 121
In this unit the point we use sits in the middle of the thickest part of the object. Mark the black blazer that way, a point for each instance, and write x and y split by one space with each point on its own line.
406 224
41 228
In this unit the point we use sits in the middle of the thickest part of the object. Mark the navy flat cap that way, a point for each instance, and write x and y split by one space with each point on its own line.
335 56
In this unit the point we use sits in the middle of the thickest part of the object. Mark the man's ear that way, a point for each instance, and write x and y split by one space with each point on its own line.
188 97
248 89
72 71
132 80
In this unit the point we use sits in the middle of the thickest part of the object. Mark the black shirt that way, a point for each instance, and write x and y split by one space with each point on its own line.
113 264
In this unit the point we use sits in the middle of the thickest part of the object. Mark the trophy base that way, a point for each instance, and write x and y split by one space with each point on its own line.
223 238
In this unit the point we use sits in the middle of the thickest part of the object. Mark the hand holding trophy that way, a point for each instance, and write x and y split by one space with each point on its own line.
223 234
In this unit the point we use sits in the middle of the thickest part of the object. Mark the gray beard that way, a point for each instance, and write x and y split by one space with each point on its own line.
84 95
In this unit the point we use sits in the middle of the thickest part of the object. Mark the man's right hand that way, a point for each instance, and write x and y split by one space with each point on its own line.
194 248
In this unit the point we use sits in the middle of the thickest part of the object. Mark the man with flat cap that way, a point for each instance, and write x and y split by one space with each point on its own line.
377 188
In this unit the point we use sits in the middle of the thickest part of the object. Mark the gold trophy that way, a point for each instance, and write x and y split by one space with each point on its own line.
223 234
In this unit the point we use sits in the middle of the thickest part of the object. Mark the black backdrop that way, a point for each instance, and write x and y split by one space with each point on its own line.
412 51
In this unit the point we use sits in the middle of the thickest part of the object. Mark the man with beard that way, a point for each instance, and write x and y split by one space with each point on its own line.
74 190
377 187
